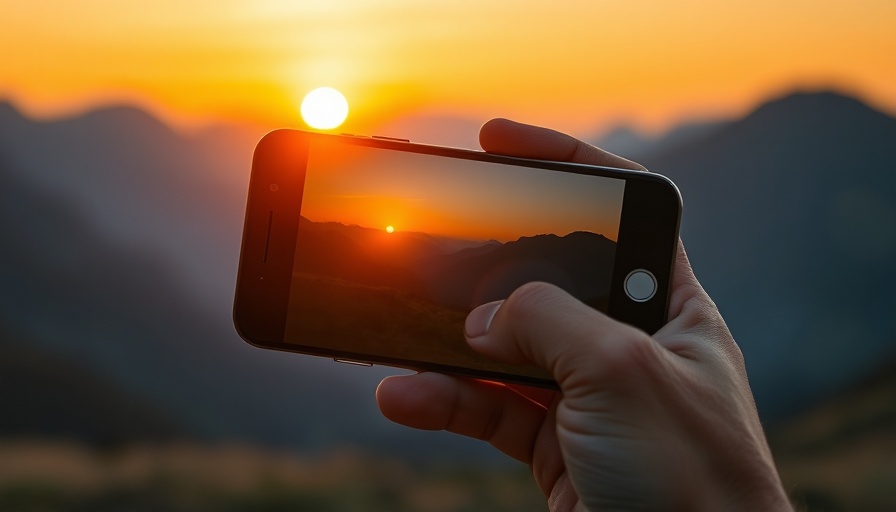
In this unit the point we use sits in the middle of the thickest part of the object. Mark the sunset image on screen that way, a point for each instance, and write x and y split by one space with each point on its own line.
458 233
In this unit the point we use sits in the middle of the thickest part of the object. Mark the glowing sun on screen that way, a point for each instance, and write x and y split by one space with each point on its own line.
390 229
324 108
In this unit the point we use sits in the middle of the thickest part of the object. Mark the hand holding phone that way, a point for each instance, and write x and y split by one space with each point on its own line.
374 251
662 422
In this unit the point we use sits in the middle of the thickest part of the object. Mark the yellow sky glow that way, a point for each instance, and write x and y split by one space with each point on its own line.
579 66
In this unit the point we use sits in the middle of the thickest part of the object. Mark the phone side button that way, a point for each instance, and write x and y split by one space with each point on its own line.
349 361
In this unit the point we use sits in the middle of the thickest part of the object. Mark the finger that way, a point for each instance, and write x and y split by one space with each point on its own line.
481 410
507 137
543 325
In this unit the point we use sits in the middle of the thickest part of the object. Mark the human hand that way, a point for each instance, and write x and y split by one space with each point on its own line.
662 422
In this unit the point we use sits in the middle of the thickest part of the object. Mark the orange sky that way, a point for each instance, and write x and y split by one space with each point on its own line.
579 66
472 201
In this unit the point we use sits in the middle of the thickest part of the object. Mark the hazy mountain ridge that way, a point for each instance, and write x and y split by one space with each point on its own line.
785 212
78 290
626 141
360 255
420 265
51 396
121 254
137 180
427 244
576 262
114 307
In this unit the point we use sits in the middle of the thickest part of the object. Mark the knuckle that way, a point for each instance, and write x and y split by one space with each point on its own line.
634 350
531 297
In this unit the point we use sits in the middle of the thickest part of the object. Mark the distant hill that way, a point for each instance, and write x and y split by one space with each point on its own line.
361 255
53 397
789 219
624 140
121 239
138 180
406 246
577 262
145 310
73 292
456 273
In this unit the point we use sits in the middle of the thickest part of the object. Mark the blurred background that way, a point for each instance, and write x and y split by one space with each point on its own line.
126 133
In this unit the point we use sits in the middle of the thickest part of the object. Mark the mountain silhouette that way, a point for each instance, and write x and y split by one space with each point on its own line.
74 293
580 263
121 239
361 255
138 180
427 267
51 396
129 309
789 222
401 248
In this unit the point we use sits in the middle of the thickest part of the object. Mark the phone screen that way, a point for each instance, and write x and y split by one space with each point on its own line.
395 248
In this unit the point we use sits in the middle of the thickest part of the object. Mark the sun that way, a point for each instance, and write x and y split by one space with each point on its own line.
324 108
390 229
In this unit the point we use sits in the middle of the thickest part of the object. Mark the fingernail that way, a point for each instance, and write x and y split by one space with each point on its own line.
480 319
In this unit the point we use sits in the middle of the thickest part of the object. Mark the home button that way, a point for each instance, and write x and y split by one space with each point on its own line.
640 285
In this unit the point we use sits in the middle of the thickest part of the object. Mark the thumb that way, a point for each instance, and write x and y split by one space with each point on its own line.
543 325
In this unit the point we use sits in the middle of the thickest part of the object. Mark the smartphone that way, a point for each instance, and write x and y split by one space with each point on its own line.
373 250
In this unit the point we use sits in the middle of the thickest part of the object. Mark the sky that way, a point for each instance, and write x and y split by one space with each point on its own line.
578 66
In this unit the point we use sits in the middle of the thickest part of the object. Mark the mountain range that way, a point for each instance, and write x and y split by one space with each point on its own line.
118 260
120 239
790 222
453 272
